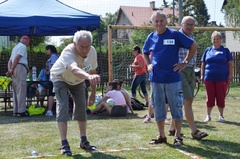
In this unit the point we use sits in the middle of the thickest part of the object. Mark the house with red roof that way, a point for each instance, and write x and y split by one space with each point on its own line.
140 16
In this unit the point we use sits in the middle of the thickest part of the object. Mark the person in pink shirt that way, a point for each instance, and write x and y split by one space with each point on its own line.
119 108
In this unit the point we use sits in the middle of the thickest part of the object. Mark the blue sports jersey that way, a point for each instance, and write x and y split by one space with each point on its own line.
165 49
216 68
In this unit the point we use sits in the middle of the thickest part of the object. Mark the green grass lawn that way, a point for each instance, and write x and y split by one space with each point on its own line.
20 136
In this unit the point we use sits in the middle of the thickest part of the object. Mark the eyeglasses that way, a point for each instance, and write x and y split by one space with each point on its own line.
84 47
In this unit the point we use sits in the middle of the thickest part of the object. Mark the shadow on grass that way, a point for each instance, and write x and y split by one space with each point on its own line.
212 149
105 116
97 156
8 118
200 125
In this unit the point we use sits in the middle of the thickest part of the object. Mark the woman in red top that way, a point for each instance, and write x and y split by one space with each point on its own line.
140 74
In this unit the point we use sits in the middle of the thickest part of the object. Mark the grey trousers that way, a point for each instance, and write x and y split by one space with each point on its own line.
19 86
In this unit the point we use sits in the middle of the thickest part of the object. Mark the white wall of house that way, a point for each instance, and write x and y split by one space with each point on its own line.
123 33
232 43
4 42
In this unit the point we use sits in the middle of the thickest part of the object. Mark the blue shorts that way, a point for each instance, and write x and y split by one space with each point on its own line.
174 95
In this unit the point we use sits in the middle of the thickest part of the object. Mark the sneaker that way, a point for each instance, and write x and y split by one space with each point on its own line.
221 119
147 119
167 121
207 119
49 113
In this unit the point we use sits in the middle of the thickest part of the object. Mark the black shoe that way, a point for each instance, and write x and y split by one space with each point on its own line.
24 114
147 104
15 114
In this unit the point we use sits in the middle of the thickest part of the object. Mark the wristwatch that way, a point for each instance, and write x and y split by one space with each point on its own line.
185 61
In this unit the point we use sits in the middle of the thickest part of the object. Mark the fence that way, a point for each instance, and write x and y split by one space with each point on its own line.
119 63
114 65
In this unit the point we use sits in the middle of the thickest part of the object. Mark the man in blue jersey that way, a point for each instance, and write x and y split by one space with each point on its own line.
164 76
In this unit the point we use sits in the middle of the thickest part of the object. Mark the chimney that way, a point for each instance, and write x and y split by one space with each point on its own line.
213 24
152 5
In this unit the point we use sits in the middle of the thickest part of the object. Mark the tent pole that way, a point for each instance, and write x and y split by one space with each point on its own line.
101 58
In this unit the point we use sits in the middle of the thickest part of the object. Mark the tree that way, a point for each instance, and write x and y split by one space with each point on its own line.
232 11
139 36
165 4
109 19
197 9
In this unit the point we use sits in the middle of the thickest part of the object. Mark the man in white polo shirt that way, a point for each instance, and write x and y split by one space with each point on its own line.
68 74
18 69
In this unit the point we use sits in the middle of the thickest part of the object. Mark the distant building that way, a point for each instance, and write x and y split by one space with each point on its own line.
232 38
4 42
140 16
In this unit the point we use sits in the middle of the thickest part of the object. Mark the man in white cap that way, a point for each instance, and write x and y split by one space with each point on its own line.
18 69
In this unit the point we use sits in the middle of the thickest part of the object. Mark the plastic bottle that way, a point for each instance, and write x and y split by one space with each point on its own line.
34 73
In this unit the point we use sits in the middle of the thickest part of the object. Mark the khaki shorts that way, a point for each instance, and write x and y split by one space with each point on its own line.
62 91
188 82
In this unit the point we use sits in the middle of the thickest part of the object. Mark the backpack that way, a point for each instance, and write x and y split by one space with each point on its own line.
136 104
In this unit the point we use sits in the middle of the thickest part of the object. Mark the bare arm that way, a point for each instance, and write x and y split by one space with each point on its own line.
148 62
230 63
15 62
93 79
191 52
9 64
128 101
12 65
93 89
203 71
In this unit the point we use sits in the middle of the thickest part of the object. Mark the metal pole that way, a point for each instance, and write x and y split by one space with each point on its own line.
180 16
173 14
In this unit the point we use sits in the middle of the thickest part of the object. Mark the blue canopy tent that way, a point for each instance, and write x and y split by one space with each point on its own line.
43 18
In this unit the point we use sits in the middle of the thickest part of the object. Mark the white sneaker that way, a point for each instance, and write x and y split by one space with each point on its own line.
49 113
208 118
147 119
167 121
221 119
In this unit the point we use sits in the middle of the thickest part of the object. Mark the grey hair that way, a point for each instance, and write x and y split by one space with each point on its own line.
187 18
82 34
157 13
22 40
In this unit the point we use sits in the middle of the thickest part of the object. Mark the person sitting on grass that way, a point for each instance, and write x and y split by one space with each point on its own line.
126 95
119 108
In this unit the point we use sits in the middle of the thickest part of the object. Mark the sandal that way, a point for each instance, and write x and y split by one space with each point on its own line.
172 133
86 145
65 150
198 135
158 140
178 141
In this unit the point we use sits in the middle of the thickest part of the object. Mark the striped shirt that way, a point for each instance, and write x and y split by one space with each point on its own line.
183 52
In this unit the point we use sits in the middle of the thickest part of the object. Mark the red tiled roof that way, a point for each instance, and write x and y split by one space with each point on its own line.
139 16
